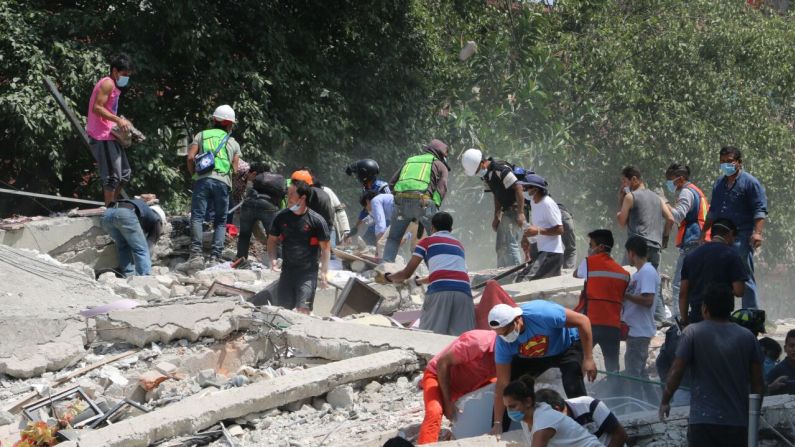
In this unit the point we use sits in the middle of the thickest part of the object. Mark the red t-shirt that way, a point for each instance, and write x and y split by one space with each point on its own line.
474 354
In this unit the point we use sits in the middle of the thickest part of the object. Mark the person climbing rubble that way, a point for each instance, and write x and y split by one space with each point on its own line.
419 188
304 238
547 228
448 307
261 203
103 115
135 228
366 171
509 216
212 157
534 337
463 366
379 209
591 413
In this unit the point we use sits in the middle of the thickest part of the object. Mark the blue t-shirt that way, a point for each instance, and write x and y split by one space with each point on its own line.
545 333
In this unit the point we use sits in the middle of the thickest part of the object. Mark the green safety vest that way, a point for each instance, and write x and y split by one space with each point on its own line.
210 140
416 176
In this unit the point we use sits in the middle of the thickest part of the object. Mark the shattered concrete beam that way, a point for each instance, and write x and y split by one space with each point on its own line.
143 325
199 412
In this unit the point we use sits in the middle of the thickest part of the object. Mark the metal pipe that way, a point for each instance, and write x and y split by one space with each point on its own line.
48 196
754 410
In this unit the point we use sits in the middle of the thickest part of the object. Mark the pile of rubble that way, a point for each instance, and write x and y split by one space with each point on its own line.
180 359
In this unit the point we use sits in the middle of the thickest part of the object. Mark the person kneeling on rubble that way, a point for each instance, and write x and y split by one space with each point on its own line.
448 307
462 367
304 236
589 412
135 227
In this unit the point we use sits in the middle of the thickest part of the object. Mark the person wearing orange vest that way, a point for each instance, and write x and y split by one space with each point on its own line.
690 212
603 295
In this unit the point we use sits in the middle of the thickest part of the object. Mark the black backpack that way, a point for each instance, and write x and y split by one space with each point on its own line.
270 184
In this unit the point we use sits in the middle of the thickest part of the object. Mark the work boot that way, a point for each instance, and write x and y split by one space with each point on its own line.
214 260
196 261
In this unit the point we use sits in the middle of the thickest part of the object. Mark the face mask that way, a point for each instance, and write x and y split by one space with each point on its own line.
516 415
591 251
627 190
728 169
527 196
482 173
670 185
295 208
511 337
123 81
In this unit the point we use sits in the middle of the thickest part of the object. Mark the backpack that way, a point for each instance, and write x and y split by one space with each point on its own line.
270 184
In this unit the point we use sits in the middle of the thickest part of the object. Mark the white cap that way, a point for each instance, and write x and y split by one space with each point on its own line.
470 160
224 113
502 315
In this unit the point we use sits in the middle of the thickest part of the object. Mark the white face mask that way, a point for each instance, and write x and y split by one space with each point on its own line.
481 173
627 190
295 208
527 196
512 336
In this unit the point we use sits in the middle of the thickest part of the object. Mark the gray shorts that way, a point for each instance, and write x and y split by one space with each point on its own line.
450 313
114 169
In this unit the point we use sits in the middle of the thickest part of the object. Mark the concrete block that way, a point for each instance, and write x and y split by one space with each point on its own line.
191 414
341 397
142 326
32 346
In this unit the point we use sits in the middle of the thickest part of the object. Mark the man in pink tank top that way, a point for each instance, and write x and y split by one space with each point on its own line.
103 107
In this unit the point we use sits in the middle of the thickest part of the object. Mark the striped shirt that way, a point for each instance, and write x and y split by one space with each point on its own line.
444 256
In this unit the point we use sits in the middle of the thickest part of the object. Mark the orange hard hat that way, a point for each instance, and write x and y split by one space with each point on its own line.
303 176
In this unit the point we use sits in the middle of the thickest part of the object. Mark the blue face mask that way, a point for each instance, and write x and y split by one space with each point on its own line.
670 185
728 169
123 81
516 415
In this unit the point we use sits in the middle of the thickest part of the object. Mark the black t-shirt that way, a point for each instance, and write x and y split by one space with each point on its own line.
501 179
714 262
320 203
300 237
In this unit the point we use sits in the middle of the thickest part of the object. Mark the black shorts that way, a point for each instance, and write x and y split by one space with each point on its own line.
296 289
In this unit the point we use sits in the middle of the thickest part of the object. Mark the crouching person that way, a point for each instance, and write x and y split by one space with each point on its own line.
304 237
591 413
465 365
135 228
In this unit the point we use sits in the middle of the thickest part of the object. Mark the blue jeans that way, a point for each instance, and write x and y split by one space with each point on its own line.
208 192
407 209
508 235
123 226
685 250
750 299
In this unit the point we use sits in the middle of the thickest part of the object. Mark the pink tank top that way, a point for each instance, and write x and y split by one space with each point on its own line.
97 127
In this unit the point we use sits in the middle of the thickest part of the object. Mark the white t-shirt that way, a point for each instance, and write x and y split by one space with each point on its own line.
594 415
546 214
568 433
640 319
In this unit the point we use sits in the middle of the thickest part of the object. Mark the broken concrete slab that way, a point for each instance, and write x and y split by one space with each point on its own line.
341 340
31 346
198 412
564 290
162 324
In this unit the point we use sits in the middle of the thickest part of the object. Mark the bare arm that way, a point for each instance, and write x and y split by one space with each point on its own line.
618 437
503 377
407 271
443 374
674 379
235 162
497 213
325 255
519 193
192 151
705 229
541 438
684 288
538 231
583 325
669 221
623 215
738 288
273 244
644 299
101 101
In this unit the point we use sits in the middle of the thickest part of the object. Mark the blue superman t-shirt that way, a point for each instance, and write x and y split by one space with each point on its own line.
545 333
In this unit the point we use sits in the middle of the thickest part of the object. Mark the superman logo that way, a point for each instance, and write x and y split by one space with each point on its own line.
535 347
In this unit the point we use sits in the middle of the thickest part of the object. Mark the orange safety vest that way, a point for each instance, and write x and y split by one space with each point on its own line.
603 295
690 219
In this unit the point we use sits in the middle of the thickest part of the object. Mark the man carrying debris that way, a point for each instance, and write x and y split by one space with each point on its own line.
135 228
463 366
448 307
714 262
261 204
741 198
212 157
508 203
725 366
591 413
367 171
603 295
646 215
379 208
304 237
547 227
419 188
534 337
103 115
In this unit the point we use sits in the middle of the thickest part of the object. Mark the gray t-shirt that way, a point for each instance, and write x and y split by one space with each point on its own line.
646 218
719 357
233 149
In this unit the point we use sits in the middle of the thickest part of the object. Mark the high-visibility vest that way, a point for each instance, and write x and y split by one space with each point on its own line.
210 140
416 176
691 225
604 290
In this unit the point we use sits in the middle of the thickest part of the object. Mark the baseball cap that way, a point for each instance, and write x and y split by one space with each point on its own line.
502 315
302 175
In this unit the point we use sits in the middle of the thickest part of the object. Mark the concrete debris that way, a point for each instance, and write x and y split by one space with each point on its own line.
7 418
31 346
341 397
141 326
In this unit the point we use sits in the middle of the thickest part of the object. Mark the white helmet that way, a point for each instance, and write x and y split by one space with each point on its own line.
471 160
224 113
159 212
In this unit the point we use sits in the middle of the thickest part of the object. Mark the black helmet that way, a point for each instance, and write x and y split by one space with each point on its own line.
751 319
366 169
